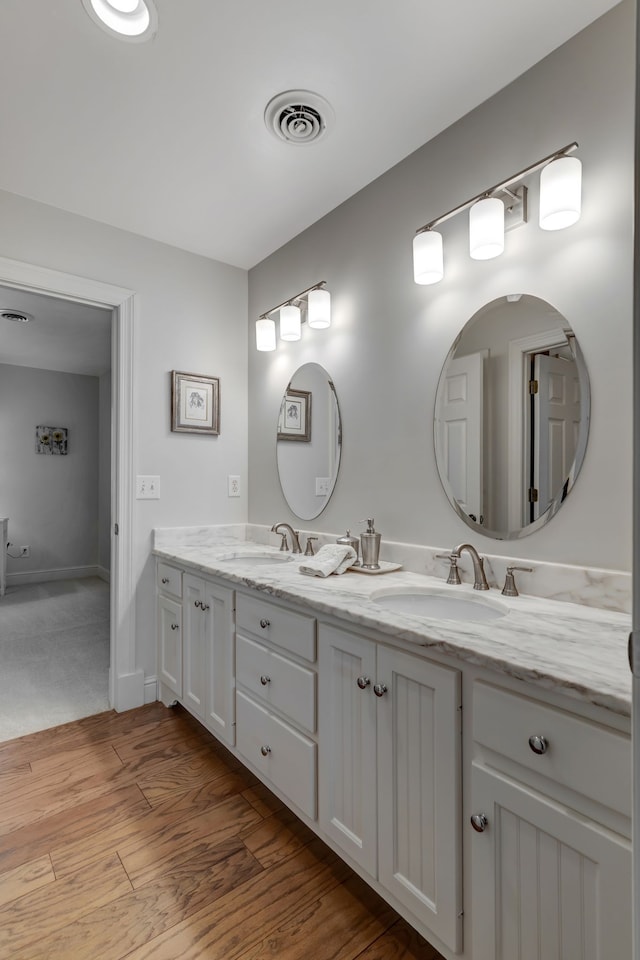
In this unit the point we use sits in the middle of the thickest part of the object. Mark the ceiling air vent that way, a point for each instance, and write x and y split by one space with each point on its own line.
18 316
298 116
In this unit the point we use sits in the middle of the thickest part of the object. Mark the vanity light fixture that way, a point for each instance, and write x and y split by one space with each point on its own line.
134 20
313 305
502 206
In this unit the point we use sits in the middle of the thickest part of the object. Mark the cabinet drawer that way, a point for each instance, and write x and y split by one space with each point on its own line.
285 757
594 761
285 685
292 631
169 580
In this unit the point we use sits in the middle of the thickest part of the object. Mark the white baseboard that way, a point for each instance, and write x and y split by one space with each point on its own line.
61 573
104 574
150 689
129 691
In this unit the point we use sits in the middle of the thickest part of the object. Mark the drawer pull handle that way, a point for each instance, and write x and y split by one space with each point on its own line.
363 682
264 680
265 751
265 623
166 580
379 689
538 744
174 626
479 822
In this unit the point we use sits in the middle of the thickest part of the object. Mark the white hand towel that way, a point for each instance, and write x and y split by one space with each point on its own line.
332 558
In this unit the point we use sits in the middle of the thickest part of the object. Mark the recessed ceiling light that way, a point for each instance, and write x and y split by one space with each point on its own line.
127 19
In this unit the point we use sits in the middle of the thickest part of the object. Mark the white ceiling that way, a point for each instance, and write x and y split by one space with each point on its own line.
63 335
167 138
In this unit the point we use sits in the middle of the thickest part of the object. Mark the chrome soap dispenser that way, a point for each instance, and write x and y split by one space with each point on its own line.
370 542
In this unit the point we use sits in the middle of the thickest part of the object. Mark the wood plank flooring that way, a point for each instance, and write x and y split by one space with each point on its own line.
137 835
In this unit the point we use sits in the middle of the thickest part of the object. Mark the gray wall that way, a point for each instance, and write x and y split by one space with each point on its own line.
389 337
51 501
192 317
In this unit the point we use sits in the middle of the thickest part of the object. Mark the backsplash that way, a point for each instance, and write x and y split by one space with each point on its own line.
588 586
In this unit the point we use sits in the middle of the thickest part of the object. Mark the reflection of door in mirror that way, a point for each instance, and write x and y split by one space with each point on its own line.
516 454
555 413
461 433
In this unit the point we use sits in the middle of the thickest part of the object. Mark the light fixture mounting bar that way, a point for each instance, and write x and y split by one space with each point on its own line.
503 185
298 296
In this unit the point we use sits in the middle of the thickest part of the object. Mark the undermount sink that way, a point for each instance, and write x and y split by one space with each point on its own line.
431 604
255 558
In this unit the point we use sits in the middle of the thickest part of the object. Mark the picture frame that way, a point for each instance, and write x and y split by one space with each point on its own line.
195 403
294 421
52 440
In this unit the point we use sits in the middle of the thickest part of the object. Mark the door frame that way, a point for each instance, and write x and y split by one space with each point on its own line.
518 355
126 681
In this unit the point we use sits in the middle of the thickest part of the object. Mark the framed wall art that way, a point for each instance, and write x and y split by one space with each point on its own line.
195 403
294 422
52 440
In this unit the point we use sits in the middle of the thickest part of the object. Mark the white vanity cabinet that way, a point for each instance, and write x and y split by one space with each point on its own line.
169 606
276 697
390 772
196 647
208 659
551 858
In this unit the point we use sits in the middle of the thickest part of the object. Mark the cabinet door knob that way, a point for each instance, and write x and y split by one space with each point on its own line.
479 822
538 744
174 626
265 623
264 680
363 682
265 751
165 580
196 603
379 689
204 606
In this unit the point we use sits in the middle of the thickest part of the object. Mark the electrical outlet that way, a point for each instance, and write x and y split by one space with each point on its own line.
147 488
25 551
233 486
322 486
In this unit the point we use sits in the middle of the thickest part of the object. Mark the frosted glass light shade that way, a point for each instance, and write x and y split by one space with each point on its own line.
428 264
290 322
319 305
486 229
265 334
560 193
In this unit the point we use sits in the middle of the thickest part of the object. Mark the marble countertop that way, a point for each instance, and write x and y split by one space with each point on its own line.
576 650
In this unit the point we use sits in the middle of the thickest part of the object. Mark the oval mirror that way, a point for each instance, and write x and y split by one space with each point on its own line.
511 417
309 441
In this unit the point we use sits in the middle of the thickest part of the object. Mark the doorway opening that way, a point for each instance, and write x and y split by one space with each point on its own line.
126 679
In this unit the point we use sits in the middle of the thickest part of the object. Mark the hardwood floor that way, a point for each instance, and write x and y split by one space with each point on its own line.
137 835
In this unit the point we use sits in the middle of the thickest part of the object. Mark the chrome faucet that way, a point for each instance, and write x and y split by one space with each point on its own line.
295 543
479 578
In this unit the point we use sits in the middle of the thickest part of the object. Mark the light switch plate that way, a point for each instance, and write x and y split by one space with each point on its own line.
147 488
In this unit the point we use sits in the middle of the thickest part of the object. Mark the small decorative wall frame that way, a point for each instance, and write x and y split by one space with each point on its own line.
52 440
294 422
195 403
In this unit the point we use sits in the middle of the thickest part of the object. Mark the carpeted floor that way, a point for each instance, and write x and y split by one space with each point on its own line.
54 654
